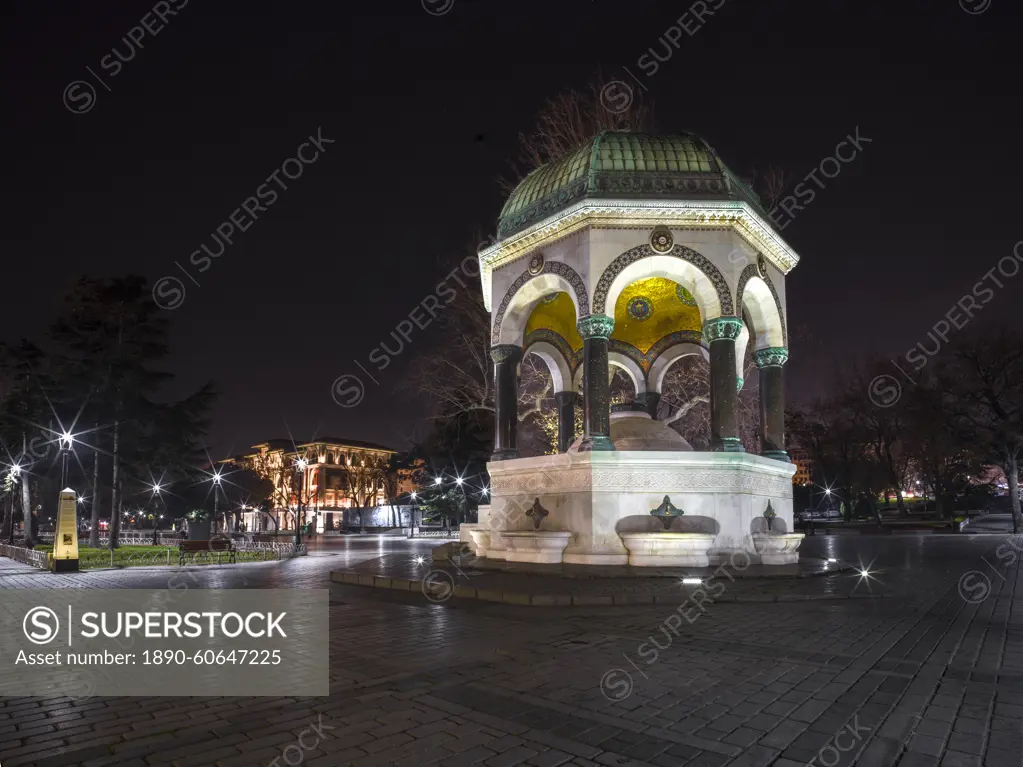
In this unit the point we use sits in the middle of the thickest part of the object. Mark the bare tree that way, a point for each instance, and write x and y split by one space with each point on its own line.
686 390
457 377
771 185
984 377
573 117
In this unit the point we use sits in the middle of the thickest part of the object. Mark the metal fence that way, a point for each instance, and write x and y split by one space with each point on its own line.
123 539
27 556
430 532
125 557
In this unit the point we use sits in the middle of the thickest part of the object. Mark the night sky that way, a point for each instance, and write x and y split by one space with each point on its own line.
424 111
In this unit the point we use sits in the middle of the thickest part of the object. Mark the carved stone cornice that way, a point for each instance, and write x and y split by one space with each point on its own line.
734 215
596 326
772 356
722 329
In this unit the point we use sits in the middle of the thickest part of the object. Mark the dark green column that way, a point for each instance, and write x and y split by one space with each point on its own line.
566 402
650 400
770 363
720 334
506 398
595 330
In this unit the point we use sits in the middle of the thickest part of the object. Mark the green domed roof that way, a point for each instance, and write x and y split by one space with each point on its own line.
678 166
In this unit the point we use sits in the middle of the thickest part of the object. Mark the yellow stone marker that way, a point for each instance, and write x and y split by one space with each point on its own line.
65 539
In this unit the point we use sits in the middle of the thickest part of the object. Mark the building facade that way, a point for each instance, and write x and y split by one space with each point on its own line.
326 484
804 466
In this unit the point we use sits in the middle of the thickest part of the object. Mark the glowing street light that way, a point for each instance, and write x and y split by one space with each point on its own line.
458 481
437 481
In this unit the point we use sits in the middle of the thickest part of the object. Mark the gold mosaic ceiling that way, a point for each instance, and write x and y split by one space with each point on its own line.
556 312
645 312
650 309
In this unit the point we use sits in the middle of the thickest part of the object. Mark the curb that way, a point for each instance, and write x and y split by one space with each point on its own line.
349 578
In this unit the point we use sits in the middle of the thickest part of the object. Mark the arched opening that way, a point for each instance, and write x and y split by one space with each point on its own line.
683 266
523 296
681 375
760 307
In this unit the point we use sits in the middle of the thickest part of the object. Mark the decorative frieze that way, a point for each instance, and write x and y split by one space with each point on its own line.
681 480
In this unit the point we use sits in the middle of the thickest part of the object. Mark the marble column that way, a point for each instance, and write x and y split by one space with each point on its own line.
720 334
566 402
650 400
506 383
595 330
770 363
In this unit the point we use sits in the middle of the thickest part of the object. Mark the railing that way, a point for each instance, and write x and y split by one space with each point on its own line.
123 539
281 550
38 559
125 557
431 532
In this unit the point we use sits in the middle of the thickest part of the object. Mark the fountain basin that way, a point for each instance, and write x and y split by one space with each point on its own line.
666 549
780 549
539 546
480 541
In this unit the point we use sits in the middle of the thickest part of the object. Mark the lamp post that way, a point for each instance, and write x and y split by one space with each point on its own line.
155 500
14 475
65 448
216 500
300 465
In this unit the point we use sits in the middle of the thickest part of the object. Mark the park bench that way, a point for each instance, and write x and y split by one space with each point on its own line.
220 545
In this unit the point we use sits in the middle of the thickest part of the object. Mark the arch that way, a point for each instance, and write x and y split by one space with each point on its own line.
561 372
757 295
509 321
683 265
668 357
631 368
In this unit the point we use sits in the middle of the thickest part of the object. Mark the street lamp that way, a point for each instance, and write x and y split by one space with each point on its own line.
156 498
300 465
216 498
13 475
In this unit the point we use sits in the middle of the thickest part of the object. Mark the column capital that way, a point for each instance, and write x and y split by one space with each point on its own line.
771 356
596 326
503 352
721 329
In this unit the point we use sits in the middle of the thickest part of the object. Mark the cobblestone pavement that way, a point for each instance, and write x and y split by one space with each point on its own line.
930 675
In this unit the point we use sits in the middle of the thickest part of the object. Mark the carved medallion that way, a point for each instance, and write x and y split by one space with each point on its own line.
640 308
536 263
761 265
661 240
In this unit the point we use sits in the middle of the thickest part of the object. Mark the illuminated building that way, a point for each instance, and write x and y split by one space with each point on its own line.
804 466
324 477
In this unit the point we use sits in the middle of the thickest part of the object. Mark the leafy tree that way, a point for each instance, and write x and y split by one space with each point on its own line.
111 337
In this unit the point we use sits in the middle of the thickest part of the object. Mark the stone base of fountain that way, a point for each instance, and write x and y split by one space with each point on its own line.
537 546
480 541
778 549
667 549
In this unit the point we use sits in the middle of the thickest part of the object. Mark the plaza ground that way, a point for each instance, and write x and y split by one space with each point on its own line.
930 674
